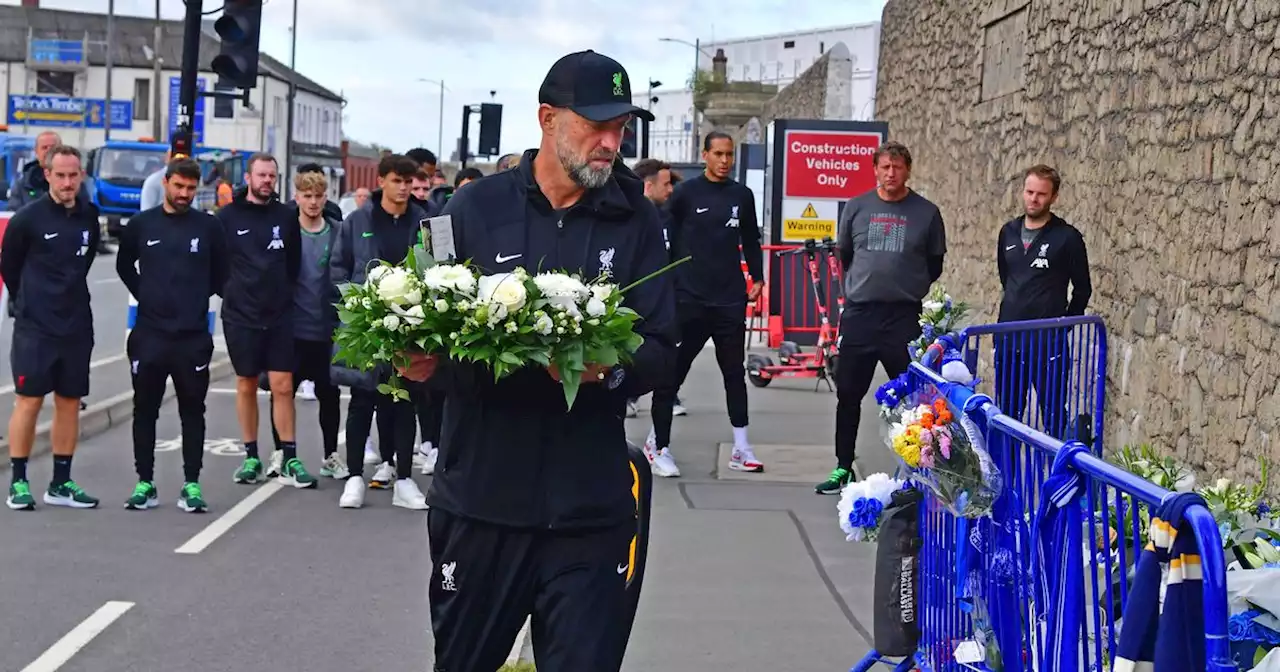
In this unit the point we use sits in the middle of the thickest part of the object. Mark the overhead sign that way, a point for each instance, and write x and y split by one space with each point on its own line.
57 52
804 220
62 111
828 164
197 119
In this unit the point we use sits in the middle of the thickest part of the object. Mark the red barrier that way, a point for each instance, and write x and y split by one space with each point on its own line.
793 311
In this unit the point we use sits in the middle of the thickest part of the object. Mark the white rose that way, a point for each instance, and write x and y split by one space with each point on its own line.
366 303
543 325
603 292
391 322
931 306
442 305
376 273
414 297
416 311
451 277
595 307
504 289
395 286
561 290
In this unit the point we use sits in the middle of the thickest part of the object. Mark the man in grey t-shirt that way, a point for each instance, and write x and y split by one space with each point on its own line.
892 242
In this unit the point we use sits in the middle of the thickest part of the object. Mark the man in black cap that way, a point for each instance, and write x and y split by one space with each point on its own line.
531 510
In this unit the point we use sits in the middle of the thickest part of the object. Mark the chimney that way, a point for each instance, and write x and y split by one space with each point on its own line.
33 4
720 66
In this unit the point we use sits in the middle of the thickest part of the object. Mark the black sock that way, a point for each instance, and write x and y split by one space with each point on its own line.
61 469
251 449
18 468
290 449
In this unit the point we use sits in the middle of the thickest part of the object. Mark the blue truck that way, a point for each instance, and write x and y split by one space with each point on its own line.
114 174
15 152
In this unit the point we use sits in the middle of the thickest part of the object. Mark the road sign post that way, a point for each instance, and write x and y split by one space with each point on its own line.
181 142
815 167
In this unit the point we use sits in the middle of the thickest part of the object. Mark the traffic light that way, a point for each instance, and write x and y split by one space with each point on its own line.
630 148
490 129
238 28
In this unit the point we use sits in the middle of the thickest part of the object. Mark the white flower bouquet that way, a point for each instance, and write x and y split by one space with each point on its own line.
863 502
939 315
504 321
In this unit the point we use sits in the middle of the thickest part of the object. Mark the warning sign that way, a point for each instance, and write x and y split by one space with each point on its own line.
829 164
802 220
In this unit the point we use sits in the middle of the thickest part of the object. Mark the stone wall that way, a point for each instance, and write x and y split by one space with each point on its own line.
821 92
1162 118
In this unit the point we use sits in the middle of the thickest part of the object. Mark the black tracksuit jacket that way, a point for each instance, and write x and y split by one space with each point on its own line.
511 453
1035 277
45 259
264 251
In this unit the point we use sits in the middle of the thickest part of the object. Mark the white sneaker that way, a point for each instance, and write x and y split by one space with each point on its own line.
335 467
408 496
420 454
663 464
429 461
306 390
276 463
383 477
650 446
744 459
679 409
352 493
371 455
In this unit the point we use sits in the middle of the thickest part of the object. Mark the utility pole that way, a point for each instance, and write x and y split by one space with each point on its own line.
697 58
109 46
440 127
287 187
182 142
157 123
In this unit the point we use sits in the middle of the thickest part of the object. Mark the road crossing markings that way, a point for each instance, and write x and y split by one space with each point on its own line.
71 643
204 538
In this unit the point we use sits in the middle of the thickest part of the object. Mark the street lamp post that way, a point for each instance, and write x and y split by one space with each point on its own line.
440 156
698 53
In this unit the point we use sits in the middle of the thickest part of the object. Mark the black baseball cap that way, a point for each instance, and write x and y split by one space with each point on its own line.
593 85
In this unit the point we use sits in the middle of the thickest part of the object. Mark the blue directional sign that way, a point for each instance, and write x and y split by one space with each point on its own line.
64 112
58 52
197 119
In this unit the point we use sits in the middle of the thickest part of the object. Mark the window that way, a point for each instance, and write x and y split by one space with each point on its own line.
278 111
324 129
141 99
822 47
789 44
55 83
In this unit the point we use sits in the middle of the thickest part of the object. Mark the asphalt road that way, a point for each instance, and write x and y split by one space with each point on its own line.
748 576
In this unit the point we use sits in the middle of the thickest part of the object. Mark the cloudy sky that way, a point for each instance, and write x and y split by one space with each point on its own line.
375 51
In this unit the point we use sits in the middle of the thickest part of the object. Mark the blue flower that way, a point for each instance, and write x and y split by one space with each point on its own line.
928 333
946 305
1238 626
893 392
1263 509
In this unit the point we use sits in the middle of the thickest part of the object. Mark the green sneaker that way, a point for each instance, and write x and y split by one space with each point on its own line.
69 494
839 478
144 497
192 500
293 473
20 498
250 471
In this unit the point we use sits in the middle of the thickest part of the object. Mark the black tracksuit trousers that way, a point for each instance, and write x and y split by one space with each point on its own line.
154 358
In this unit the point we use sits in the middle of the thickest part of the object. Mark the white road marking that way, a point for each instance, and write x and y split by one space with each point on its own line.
204 538
237 513
108 281
62 650
8 389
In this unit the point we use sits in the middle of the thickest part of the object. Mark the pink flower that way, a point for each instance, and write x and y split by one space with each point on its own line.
926 437
926 455
944 444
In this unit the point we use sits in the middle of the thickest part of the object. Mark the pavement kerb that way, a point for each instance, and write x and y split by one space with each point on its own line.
106 414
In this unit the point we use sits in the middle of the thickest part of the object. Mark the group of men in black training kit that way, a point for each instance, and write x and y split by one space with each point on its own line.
531 505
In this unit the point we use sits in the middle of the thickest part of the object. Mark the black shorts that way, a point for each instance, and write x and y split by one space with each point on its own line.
487 579
42 365
255 350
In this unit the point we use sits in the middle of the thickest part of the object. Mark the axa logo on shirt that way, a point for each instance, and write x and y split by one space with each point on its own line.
1041 260
195 245
84 243
276 243
733 219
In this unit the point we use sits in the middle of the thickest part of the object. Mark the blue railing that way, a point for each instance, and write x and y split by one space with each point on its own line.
980 572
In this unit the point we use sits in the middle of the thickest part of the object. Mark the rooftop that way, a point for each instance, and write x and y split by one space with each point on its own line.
132 34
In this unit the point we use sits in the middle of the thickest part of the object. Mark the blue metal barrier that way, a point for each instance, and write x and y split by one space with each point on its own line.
979 572
1061 363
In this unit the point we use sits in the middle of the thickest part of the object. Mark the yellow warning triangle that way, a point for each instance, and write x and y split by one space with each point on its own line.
809 212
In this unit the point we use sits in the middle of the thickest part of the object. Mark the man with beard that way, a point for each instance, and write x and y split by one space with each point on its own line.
181 261
49 246
263 246
532 511
30 184
1038 255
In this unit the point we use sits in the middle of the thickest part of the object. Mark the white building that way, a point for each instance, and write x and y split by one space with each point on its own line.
770 59
71 99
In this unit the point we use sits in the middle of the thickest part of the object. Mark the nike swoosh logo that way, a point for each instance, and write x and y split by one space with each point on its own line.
152 242
502 260
202 367
367 234
701 210
622 569
1009 248
50 236
241 232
